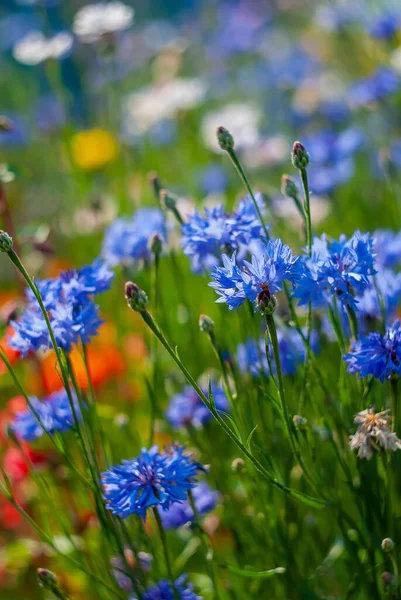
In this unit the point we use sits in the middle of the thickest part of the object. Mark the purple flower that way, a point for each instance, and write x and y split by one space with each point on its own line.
338 267
126 240
54 414
386 25
256 280
164 591
186 408
180 513
376 354
153 479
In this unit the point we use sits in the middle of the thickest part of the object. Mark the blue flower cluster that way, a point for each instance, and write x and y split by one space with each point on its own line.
126 241
252 359
68 300
387 248
180 513
382 83
164 591
54 413
258 280
153 479
186 408
376 354
205 238
338 267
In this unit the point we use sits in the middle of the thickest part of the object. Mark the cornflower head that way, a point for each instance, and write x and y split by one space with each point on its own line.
339 267
252 359
381 296
258 280
180 513
164 591
186 408
206 237
373 433
68 300
152 479
387 247
54 413
376 354
126 241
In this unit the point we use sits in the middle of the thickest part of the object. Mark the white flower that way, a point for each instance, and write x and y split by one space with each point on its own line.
95 20
241 120
153 103
35 48
373 433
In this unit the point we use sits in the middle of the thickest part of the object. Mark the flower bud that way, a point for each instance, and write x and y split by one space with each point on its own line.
238 465
6 242
387 545
389 582
206 324
300 422
137 299
5 124
155 182
288 187
47 579
155 244
299 156
266 303
167 200
225 139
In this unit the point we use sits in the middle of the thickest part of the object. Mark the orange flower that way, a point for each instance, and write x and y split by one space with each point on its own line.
11 354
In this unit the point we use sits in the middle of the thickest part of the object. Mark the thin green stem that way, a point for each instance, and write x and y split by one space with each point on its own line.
305 185
163 540
395 407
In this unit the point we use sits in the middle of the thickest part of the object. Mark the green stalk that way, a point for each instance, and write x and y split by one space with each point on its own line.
395 407
163 540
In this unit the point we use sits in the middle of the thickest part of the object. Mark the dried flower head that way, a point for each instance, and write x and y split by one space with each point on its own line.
373 433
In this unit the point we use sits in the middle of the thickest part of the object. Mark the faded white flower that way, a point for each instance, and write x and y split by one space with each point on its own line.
373 433
158 101
96 20
241 120
35 48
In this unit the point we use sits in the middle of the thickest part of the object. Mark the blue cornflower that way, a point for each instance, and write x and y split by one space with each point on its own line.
386 25
376 354
154 478
387 247
180 513
252 359
68 300
164 591
214 179
388 285
382 83
54 413
259 280
206 238
338 267
186 408
126 240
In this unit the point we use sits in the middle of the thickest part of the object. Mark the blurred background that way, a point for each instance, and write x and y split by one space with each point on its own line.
96 97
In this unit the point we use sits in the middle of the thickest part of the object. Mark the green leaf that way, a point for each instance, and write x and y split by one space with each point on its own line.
255 574
309 500
249 438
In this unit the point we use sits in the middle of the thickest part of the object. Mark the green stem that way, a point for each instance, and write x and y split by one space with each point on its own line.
395 408
231 153
305 185
352 321
163 539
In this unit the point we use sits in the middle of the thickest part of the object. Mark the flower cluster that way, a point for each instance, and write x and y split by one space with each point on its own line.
153 479
339 267
252 358
373 433
127 240
258 280
68 300
187 408
180 513
205 238
164 591
376 354
49 415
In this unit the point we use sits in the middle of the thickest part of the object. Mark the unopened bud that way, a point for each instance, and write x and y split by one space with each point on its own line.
389 582
238 465
206 324
167 200
137 299
156 244
288 187
300 422
47 579
299 156
155 183
387 545
6 242
266 303
5 124
225 139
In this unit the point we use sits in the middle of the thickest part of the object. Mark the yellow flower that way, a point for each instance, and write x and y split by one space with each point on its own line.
93 149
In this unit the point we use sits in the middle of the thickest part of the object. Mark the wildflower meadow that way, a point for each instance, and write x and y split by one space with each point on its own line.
200 300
